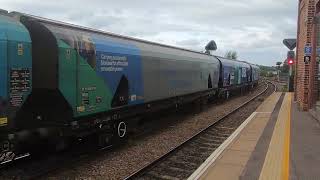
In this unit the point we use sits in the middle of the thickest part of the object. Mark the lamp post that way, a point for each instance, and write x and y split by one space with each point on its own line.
278 70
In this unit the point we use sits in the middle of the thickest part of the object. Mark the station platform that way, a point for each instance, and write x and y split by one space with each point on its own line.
276 142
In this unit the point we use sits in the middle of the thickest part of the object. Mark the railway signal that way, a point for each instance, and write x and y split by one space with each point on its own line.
290 57
290 62
290 44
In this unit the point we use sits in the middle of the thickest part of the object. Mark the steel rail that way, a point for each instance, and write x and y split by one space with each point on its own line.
144 169
40 173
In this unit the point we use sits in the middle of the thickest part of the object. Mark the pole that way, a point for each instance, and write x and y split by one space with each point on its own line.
290 70
291 80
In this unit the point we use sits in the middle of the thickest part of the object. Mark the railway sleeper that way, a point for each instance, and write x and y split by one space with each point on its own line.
205 145
199 155
190 158
173 172
209 149
215 132
182 160
183 165
156 175
193 151
219 128
211 139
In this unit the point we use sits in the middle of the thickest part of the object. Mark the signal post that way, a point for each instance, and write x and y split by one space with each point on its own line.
290 44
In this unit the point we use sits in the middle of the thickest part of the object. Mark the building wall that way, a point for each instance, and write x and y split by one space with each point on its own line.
306 73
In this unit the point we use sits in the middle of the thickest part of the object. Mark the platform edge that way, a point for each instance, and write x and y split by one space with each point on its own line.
214 156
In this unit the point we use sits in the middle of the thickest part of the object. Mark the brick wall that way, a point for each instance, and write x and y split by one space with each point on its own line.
306 74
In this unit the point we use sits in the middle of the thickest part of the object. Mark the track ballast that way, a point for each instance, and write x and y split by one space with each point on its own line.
183 160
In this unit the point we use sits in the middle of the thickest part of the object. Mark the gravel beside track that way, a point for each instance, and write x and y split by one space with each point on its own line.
140 151
184 160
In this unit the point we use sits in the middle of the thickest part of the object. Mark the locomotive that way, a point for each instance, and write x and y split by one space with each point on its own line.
60 81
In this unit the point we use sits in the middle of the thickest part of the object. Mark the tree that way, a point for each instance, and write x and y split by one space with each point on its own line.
285 68
267 71
231 55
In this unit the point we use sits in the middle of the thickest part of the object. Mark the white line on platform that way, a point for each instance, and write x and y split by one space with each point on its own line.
213 157
263 112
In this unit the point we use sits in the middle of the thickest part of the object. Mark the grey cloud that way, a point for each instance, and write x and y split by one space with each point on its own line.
254 28
189 42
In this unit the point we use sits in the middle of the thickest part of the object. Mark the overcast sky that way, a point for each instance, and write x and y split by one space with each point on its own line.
253 28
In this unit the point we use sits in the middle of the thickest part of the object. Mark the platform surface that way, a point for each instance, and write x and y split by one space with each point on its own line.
305 146
278 142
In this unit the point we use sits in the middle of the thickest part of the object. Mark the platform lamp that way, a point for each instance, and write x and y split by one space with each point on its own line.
211 46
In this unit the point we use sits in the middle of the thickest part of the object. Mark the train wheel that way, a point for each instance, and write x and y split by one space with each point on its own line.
61 145
197 105
121 130
105 140
118 135
6 154
227 94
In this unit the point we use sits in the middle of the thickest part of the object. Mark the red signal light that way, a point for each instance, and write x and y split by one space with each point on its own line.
290 61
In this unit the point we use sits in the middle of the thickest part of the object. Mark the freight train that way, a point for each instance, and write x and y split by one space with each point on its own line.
60 81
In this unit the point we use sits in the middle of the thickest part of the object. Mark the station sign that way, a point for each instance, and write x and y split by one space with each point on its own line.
307 59
307 50
318 51
291 55
290 43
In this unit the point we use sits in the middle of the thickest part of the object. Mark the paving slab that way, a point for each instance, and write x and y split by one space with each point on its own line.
232 161
276 163
305 145
254 165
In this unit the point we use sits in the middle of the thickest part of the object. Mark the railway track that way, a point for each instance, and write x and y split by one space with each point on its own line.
37 168
181 161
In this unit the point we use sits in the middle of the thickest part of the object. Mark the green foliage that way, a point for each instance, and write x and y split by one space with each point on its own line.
285 88
268 68
267 71
284 68
231 55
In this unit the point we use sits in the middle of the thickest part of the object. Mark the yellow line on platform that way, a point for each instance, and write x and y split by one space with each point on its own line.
276 164
286 149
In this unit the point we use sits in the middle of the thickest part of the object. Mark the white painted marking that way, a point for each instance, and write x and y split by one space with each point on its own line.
16 158
263 112
22 156
214 156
